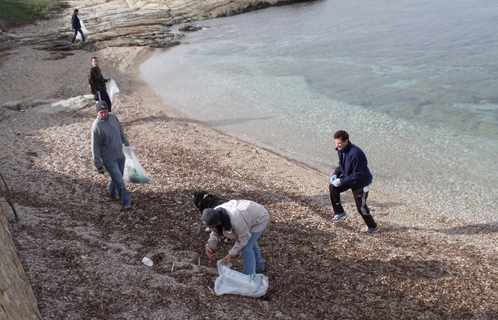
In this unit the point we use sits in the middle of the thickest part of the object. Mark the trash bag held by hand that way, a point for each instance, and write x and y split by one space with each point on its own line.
133 171
112 88
85 32
233 282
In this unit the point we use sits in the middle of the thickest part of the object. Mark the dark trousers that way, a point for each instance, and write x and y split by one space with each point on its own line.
360 199
76 33
104 97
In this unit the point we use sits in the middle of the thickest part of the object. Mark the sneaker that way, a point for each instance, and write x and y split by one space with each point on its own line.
127 208
339 217
370 230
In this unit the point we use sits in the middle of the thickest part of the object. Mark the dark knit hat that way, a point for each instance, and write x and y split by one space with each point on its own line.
210 217
101 105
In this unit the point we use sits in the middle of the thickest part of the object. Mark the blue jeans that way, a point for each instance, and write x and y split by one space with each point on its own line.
252 255
76 33
116 170
104 97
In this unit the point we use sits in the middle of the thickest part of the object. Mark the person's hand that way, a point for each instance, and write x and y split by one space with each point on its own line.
336 183
333 178
101 170
209 252
227 259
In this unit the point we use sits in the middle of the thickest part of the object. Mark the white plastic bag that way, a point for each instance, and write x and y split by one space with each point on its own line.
133 171
85 32
112 88
233 282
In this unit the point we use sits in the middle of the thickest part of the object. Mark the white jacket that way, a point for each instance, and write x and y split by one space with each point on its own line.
246 217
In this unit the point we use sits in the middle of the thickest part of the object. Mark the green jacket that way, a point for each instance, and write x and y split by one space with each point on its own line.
96 80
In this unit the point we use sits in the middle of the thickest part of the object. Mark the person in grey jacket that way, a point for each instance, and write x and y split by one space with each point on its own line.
243 221
108 138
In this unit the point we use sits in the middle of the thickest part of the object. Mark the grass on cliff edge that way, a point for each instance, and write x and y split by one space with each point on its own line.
16 13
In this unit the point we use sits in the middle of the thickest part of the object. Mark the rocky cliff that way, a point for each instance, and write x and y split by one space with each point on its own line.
118 23
17 300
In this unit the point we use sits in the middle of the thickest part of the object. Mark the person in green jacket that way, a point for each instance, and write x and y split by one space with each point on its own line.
98 84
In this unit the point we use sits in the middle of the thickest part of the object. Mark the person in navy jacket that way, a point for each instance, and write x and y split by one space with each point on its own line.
352 173
75 24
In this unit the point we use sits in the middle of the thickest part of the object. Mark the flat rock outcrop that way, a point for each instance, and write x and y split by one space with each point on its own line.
121 23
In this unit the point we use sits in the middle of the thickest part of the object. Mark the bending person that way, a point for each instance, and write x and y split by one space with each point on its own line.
243 221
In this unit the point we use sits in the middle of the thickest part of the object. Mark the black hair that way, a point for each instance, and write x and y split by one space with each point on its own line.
341 134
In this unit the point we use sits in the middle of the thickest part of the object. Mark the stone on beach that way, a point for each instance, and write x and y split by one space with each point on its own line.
67 105
14 105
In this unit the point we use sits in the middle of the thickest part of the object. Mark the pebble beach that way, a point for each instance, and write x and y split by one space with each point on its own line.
83 255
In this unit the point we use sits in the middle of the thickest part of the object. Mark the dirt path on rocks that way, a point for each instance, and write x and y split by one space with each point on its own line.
82 254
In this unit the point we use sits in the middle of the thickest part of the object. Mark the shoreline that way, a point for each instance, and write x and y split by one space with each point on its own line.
82 254
436 180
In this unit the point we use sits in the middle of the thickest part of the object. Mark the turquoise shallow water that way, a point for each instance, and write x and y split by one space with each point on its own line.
413 82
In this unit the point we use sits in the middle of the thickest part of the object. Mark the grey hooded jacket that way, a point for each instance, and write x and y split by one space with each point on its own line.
108 138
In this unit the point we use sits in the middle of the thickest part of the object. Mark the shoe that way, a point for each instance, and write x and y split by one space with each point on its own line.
127 208
370 230
339 217
112 198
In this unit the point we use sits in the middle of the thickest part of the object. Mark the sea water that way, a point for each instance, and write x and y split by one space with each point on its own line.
413 82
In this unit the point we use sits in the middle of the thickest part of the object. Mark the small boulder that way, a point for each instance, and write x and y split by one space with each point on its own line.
189 27
14 105
41 102
68 105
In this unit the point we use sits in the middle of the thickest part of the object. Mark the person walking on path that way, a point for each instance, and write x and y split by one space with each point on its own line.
76 25
98 83
352 173
108 138
241 220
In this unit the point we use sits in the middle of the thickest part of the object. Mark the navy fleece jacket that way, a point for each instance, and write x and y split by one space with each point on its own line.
353 167
75 22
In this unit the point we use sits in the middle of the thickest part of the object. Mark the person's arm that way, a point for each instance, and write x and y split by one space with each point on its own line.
226 260
338 170
101 77
240 243
123 135
97 149
209 252
212 242
91 81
